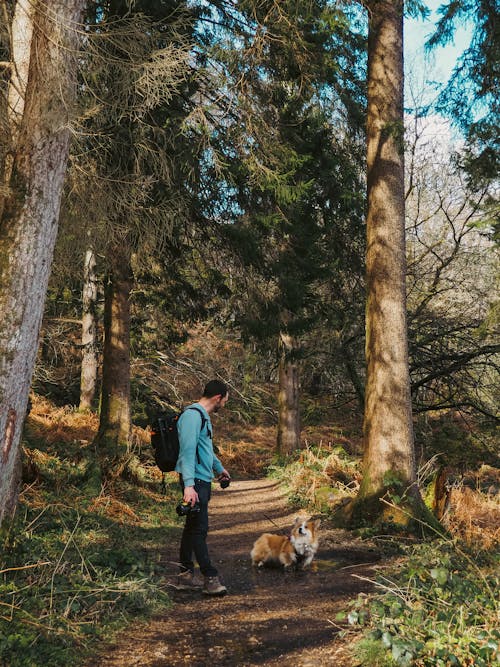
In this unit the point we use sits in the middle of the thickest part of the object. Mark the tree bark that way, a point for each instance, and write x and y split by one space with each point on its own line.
20 48
389 461
114 424
388 429
88 379
352 372
288 439
29 219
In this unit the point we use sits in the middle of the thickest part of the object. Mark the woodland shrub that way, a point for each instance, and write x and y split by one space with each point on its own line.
67 577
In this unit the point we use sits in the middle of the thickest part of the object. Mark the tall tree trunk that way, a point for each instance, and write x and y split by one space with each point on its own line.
29 219
288 397
114 425
88 379
388 462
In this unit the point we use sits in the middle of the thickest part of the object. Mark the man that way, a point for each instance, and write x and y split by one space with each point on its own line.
197 464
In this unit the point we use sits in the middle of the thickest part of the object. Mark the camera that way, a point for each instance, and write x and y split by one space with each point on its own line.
183 509
224 482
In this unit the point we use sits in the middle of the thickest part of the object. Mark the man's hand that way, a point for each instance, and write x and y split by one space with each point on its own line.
224 475
190 495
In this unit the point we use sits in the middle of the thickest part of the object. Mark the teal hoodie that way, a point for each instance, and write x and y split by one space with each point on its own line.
189 465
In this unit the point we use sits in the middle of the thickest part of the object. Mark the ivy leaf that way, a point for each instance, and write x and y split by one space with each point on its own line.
440 574
402 657
353 617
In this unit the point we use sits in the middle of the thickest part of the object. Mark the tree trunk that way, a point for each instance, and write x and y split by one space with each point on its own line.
88 379
388 462
29 219
288 397
352 372
114 425
20 48
22 33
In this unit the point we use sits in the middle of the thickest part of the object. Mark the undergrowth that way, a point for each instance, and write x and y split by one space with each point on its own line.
437 604
437 607
69 575
75 568
319 477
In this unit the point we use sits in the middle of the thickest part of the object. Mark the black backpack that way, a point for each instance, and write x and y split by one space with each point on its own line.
165 439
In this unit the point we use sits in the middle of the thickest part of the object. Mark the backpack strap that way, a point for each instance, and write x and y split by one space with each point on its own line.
203 422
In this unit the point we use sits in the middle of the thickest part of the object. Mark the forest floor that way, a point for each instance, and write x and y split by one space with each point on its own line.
268 617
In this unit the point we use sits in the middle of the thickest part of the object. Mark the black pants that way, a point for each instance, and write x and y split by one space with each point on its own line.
194 535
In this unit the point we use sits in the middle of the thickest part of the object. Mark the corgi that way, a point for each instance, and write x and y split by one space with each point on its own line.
298 548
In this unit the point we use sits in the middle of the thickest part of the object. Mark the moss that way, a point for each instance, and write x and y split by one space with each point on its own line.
93 482
406 514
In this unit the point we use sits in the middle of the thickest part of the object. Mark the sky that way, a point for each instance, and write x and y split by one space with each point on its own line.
438 65
426 73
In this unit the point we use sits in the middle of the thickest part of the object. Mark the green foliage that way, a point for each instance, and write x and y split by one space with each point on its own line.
374 653
312 412
290 159
439 607
471 95
456 444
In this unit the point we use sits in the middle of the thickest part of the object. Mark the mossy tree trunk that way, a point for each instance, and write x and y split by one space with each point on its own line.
388 462
114 423
45 44
288 439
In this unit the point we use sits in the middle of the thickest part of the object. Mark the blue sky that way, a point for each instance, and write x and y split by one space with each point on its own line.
439 65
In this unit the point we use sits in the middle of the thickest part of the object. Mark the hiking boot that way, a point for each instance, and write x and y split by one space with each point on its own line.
213 586
187 581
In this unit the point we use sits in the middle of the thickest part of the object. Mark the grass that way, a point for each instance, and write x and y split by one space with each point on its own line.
319 477
74 568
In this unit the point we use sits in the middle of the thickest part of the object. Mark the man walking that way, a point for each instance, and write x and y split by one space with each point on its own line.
197 464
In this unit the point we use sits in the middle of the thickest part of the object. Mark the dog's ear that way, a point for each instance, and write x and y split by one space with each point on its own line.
316 524
297 520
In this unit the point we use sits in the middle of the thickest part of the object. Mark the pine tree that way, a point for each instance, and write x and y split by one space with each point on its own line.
471 95
292 176
136 64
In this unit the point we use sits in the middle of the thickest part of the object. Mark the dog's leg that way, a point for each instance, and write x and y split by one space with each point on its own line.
307 560
287 559
255 555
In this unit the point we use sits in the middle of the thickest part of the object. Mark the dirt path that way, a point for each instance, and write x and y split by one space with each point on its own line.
269 617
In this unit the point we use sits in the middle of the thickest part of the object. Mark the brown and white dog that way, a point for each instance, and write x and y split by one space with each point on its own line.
298 548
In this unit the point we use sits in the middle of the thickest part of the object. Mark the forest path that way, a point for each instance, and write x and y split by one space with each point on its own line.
268 617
